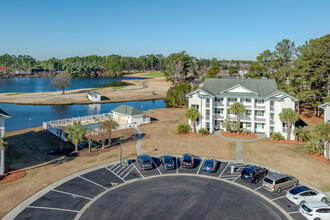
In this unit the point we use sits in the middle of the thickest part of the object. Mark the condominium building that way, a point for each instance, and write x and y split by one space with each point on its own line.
261 98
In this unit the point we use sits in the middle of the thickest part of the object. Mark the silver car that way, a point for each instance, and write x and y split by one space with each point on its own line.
276 182
301 194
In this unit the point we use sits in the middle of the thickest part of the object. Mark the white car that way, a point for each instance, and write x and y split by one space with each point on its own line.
301 194
315 211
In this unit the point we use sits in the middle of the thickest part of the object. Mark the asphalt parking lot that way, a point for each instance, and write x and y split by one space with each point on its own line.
68 199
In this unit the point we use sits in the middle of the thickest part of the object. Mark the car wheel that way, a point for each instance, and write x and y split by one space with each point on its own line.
302 202
317 219
295 184
279 190
325 200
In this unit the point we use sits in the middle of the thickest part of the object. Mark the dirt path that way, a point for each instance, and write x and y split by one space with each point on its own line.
134 92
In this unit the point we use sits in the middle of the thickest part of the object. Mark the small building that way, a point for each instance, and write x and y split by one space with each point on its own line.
3 117
94 96
326 108
126 114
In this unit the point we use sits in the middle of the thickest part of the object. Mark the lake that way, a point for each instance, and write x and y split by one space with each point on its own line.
21 114
29 85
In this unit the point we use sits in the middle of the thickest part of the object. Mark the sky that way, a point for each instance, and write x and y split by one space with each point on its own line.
224 29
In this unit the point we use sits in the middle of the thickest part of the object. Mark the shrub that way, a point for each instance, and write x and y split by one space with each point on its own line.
245 131
302 134
183 128
315 146
176 95
230 126
277 136
203 131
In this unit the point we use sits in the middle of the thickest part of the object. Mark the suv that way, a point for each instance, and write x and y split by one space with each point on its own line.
253 174
276 182
167 162
188 161
145 162
315 210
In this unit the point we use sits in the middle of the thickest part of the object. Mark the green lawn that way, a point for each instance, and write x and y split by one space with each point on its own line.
155 74
11 94
118 87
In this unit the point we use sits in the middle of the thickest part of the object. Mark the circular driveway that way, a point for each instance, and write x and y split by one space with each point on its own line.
181 197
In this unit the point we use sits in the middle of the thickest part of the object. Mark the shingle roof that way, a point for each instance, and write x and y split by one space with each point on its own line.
3 114
92 92
262 87
127 110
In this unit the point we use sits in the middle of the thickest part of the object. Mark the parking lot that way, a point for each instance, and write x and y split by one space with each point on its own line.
68 199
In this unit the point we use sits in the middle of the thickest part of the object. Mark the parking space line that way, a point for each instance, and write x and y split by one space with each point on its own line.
155 165
200 165
290 213
236 178
93 182
281 197
116 168
228 176
119 170
126 169
224 170
138 170
71 194
258 188
49 208
177 167
115 174
128 172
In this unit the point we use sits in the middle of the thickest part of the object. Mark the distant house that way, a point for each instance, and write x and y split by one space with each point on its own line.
326 108
94 96
3 117
128 114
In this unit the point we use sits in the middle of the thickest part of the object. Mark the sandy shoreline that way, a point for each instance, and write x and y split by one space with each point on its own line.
156 89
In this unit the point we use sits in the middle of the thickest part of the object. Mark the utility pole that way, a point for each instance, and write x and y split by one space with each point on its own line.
121 150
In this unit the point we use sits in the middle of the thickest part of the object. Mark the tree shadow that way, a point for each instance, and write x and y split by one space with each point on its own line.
301 123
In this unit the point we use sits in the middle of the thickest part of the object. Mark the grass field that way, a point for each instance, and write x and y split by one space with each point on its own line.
154 74
11 94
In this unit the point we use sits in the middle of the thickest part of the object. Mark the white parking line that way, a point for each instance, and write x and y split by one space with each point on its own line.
290 213
126 169
116 168
119 170
231 175
138 170
177 167
258 188
200 165
113 167
224 170
128 172
49 208
115 174
236 178
71 194
93 182
278 198
155 165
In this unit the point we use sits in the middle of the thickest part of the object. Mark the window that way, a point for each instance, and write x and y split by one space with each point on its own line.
232 99
218 99
218 110
259 113
248 100
259 125
195 106
248 124
207 101
259 101
262 125
248 112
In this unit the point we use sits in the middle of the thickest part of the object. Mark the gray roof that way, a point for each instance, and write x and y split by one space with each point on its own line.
261 87
3 114
127 110
324 105
92 92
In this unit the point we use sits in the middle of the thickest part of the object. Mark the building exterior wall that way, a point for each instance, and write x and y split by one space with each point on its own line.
94 98
2 128
327 114
279 106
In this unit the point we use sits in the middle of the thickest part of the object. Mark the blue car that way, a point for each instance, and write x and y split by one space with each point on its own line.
210 165
167 162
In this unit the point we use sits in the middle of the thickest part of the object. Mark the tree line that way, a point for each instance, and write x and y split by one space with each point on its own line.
113 65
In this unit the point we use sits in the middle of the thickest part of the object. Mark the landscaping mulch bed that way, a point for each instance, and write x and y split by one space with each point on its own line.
321 158
12 176
194 134
233 134
288 141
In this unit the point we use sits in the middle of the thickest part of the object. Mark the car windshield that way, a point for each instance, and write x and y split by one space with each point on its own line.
209 164
268 180
297 190
146 162
306 208
246 172
168 160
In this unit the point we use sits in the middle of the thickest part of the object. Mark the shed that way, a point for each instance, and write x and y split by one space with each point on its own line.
94 96
126 114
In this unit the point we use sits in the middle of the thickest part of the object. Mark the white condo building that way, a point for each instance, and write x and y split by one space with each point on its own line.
3 117
261 98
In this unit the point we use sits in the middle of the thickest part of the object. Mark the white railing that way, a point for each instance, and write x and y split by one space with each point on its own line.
259 119
272 109
207 117
207 105
219 104
218 116
245 117
260 106
271 122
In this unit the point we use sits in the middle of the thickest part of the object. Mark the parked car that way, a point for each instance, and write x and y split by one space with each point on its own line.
167 162
188 161
276 182
301 194
315 211
210 165
145 162
253 174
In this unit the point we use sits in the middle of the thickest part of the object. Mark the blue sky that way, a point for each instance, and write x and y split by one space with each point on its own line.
230 29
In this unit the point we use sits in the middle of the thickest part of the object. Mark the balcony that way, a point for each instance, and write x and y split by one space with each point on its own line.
272 108
284 130
207 105
271 122
245 117
259 106
218 116
207 117
247 105
219 104
259 119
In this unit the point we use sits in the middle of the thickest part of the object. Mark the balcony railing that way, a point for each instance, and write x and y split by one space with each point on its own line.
259 119
260 106
284 130
219 104
271 122
207 105
272 108
247 105
218 116
207 117
245 117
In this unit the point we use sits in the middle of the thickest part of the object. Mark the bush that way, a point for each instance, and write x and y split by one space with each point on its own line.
183 128
245 131
277 136
203 131
231 126
302 134
315 146
176 95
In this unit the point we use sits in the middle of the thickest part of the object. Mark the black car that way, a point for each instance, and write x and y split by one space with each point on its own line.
145 162
253 174
188 161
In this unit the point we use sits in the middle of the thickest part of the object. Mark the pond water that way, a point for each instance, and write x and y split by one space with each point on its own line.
28 85
25 116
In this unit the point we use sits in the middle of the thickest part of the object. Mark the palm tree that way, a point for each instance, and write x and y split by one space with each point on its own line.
75 133
3 147
193 114
289 116
302 134
90 138
237 108
109 125
323 131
